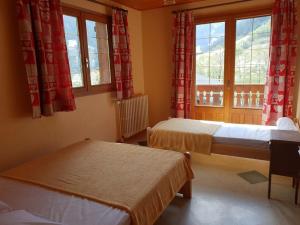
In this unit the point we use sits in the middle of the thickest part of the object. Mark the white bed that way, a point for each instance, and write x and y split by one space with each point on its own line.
242 140
58 207
254 136
91 188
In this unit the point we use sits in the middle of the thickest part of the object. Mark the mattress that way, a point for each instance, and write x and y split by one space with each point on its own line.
252 136
59 207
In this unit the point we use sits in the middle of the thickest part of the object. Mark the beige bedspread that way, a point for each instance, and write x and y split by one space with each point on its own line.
140 180
183 135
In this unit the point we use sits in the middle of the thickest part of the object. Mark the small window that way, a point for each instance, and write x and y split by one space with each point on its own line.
89 51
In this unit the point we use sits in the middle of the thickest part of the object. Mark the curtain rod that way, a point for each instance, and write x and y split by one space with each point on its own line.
211 6
107 5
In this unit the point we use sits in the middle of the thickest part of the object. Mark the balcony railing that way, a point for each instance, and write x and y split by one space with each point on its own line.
244 96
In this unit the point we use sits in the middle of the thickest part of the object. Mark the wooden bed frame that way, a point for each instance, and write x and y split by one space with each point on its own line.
186 189
232 150
240 151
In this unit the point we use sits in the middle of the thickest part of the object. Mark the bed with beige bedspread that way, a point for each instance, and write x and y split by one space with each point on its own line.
242 140
141 181
183 135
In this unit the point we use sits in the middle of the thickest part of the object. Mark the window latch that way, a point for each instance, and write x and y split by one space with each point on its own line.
86 62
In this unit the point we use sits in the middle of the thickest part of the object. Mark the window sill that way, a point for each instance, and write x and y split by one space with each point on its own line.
93 90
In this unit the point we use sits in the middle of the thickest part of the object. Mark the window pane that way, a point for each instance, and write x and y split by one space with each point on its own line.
251 61
98 47
217 29
202 45
73 47
210 46
202 31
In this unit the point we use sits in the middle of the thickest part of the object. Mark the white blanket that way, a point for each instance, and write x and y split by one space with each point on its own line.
58 207
21 217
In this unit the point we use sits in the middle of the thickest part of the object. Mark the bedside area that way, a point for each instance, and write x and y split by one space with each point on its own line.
285 157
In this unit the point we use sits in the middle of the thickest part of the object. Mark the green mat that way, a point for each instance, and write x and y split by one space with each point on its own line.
253 177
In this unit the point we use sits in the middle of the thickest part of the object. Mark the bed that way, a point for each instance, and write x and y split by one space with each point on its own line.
242 140
96 183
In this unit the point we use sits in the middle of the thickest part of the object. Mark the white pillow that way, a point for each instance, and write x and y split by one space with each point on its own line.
285 123
4 207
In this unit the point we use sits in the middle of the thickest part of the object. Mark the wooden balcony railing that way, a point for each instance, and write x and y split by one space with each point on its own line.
244 96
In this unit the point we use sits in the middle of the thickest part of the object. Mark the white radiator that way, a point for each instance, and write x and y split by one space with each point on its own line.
132 115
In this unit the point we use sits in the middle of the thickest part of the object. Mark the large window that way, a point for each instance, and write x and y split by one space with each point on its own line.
88 45
243 43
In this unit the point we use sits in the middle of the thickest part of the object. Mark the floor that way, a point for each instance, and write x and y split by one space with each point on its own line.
221 197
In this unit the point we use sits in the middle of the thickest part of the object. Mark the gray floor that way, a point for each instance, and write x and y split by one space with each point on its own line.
221 197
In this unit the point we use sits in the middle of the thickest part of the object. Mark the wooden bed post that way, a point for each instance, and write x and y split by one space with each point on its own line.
149 131
186 190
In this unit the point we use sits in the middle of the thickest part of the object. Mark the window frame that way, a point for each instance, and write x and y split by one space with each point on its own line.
230 20
82 15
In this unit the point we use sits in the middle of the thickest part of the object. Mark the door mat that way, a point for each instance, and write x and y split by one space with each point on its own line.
253 177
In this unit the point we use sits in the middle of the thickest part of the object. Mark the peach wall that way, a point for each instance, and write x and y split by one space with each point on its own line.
157 44
22 138
157 39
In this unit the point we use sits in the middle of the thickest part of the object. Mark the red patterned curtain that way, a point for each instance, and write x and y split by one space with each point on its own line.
45 56
121 53
183 64
279 87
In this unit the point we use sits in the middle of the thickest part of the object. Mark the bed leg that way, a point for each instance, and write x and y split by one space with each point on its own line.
186 190
149 131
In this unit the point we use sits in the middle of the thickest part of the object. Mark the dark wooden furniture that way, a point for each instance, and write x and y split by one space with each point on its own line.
285 157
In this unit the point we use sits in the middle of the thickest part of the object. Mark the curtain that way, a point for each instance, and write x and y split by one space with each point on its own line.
121 53
278 97
183 43
44 52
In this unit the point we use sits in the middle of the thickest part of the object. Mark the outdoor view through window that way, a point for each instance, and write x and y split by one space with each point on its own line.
73 46
96 60
251 61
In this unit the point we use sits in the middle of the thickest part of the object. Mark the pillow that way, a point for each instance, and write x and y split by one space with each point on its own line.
285 123
4 207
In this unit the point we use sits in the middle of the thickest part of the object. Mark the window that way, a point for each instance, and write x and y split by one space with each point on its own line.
251 61
210 47
73 47
243 43
88 44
